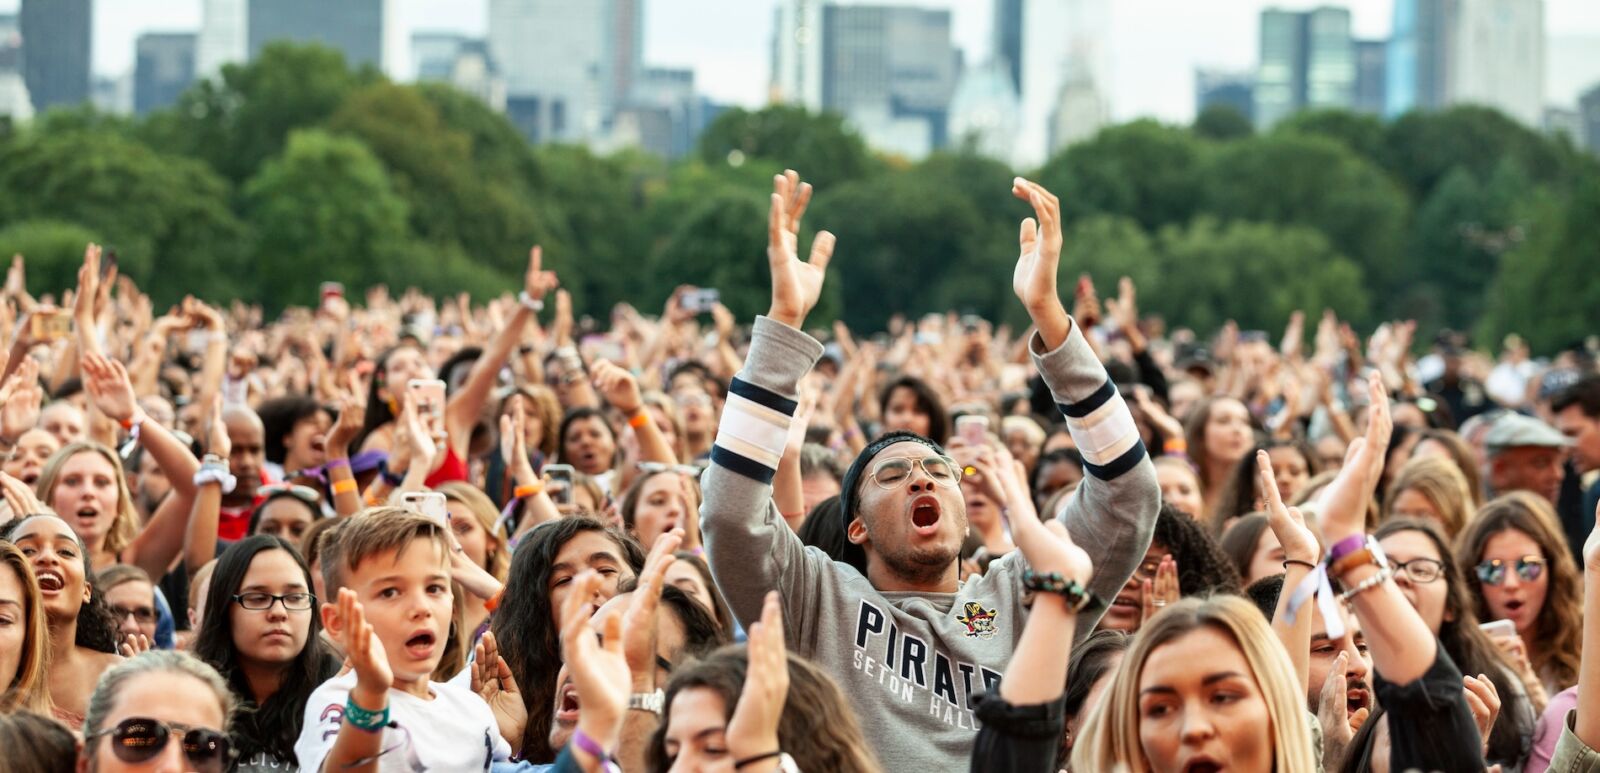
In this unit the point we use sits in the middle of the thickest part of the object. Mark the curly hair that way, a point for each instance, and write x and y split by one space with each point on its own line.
1561 641
1203 568
1239 495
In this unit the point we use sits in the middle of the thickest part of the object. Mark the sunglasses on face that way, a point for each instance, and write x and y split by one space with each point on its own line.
138 739
892 472
1493 571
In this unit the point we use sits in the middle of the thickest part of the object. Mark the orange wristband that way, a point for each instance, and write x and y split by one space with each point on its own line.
526 491
639 419
344 487
494 603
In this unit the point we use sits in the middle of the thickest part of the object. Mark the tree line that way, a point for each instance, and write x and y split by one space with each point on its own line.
295 169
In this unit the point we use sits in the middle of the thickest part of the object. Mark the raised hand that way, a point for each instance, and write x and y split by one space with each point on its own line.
754 728
1333 711
1344 504
88 288
1162 591
617 386
16 277
796 285
20 497
133 645
639 621
22 398
1034 280
1287 523
1484 701
1156 415
352 411
493 682
1046 545
599 671
1124 308
537 282
108 386
363 650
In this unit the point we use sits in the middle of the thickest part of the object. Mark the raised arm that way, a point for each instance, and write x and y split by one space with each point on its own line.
161 540
749 546
1113 512
461 413
1588 721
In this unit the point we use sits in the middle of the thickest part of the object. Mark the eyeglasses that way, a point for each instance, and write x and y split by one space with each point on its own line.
892 472
138 740
305 494
1493 571
1419 570
140 615
257 601
652 468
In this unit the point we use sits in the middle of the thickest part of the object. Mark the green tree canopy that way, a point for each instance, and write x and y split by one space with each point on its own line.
818 145
1544 289
1144 170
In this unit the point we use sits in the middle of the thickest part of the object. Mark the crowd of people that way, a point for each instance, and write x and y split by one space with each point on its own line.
413 534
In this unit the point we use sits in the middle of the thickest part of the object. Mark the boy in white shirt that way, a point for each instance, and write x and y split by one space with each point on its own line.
393 614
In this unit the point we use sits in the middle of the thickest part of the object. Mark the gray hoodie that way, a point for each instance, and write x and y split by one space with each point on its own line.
911 663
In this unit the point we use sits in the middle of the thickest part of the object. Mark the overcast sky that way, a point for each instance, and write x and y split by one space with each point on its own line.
1156 44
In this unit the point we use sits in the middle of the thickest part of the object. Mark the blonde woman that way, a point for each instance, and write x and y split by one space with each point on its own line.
475 522
1430 488
1251 713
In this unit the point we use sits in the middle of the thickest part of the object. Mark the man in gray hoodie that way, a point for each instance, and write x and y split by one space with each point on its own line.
907 641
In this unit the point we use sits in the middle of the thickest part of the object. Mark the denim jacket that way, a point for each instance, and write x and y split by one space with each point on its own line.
1573 755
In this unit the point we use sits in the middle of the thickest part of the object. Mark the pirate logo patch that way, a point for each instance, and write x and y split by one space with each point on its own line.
979 621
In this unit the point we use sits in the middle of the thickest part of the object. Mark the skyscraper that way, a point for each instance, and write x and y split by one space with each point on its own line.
1372 61
14 99
565 68
1497 57
1008 20
164 67
1065 64
56 45
1589 112
891 70
1418 63
984 111
797 53
224 38
356 28
1307 60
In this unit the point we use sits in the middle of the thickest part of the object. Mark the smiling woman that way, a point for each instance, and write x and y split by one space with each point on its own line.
1163 714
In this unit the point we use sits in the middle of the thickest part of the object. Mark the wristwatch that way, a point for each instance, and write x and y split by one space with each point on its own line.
1368 553
652 702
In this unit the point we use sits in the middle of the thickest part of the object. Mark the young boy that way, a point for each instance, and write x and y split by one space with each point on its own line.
393 579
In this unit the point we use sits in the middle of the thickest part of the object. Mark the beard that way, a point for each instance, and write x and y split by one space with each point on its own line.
918 565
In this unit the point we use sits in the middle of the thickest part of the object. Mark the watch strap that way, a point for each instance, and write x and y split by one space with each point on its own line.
652 702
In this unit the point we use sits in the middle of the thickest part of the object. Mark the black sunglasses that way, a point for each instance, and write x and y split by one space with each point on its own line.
139 739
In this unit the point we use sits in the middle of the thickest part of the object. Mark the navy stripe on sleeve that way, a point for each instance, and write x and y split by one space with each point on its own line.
764 396
1088 405
743 465
1127 461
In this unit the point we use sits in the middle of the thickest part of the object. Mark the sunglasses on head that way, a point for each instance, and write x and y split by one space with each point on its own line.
652 468
1493 571
305 494
138 739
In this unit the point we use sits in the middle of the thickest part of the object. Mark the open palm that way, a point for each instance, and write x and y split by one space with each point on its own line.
1034 280
796 285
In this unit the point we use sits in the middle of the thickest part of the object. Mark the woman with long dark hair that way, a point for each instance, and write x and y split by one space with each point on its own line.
260 633
527 623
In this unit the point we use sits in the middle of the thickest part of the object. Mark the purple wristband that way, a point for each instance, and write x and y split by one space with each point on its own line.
332 463
1346 546
593 748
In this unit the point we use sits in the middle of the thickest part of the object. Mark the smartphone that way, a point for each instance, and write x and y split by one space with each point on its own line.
428 395
430 504
973 428
1499 629
51 325
558 483
700 300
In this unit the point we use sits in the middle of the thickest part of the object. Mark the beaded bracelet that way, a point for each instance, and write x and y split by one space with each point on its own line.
364 720
1383 576
1077 596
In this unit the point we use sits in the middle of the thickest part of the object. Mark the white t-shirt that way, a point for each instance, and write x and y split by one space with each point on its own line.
455 731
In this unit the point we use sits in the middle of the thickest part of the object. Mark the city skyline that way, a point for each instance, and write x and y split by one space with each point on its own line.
1152 64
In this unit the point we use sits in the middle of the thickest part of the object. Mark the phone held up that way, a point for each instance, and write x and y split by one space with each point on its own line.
430 503
558 483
